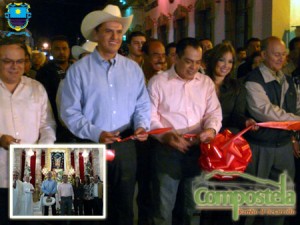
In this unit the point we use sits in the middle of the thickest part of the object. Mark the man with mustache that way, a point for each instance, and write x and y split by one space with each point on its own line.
154 61
186 100
154 58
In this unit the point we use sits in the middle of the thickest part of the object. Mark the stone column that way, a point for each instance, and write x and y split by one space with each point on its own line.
219 27
17 161
85 160
102 163
27 167
76 161
38 166
191 20
27 159
171 29
38 174
70 161
96 162
155 24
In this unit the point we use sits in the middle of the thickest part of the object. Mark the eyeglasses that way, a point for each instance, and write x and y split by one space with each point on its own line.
9 62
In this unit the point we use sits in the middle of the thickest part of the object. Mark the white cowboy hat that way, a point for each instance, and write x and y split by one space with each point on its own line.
87 47
48 201
108 14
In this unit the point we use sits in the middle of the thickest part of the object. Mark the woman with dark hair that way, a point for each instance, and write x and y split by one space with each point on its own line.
88 195
232 96
231 93
78 196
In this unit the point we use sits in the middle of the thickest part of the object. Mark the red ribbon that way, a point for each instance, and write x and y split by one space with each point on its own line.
155 131
286 125
228 152
110 154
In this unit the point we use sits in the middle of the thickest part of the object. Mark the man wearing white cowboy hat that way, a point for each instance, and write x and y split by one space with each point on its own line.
80 51
103 99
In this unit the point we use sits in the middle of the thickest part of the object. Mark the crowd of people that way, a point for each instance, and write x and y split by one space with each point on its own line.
191 86
78 198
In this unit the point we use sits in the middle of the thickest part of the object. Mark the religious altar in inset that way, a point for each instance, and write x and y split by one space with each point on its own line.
75 161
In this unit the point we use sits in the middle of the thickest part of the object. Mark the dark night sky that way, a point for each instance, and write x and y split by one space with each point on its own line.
54 17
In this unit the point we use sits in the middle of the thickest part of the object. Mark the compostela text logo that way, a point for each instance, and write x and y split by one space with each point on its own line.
276 199
17 16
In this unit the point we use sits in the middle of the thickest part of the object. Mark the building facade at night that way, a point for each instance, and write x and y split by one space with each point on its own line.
218 20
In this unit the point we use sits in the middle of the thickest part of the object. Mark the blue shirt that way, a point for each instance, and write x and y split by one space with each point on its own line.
49 187
99 95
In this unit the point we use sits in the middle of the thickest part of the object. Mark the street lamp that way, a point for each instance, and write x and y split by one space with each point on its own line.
45 45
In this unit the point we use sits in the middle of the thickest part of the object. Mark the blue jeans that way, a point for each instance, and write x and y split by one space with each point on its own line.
66 206
166 197
171 168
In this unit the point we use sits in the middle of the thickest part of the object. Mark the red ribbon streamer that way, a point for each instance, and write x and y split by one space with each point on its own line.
110 154
228 152
286 125
155 131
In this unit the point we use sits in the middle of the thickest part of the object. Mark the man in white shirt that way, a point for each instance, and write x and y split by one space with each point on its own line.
25 113
28 189
17 194
65 196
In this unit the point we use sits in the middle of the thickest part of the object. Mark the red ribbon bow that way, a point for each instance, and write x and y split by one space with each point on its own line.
228 152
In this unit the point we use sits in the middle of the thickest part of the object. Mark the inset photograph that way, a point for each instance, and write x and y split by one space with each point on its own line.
57 181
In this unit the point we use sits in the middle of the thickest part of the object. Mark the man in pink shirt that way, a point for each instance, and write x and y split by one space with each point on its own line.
65 196
185 100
